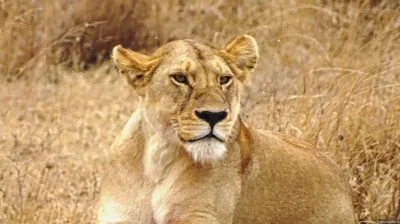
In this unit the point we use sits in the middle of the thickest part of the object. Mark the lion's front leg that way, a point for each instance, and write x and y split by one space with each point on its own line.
195 204
188 214
196 220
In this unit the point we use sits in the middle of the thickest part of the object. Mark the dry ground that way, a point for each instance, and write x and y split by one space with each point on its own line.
329 73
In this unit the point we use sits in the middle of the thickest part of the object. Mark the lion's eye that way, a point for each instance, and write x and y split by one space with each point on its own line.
180 78
224 79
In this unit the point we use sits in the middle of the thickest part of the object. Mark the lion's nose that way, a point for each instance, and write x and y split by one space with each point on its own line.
211 117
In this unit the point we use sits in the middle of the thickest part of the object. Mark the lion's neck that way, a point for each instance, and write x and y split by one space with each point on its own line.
161 149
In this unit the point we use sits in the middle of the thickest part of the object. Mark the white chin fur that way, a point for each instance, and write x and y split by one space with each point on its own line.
206 151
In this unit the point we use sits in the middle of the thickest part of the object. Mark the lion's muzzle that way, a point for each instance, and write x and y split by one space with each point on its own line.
211 117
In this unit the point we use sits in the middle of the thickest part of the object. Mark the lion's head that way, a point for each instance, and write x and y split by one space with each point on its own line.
192 89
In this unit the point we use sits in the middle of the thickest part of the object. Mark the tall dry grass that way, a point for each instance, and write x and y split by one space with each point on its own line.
328 74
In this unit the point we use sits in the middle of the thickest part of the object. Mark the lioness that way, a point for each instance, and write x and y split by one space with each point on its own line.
186 156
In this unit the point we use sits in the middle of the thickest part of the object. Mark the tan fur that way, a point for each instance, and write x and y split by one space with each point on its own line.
160 170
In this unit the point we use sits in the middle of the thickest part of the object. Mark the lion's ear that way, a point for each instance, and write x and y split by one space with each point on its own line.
134 66
242 54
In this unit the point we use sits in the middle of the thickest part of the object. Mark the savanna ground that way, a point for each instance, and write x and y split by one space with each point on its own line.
329 73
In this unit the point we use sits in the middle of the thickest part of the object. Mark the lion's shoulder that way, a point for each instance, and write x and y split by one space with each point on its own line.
285 146
283 139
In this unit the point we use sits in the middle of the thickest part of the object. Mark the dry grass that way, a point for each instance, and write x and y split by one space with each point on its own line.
329 73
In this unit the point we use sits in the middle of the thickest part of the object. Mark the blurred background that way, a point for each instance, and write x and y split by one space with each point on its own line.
329 73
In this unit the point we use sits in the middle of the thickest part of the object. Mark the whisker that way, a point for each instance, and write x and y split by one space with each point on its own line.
194 130
223 125
192 123
175 125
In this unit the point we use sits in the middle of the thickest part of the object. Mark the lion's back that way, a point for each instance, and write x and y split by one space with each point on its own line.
293 183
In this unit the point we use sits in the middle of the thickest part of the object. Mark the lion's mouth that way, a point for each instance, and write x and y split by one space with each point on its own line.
208 136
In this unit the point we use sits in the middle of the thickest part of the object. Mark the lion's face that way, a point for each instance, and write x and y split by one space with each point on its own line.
192 89
198 94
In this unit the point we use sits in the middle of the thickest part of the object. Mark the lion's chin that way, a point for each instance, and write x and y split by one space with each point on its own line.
206 151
